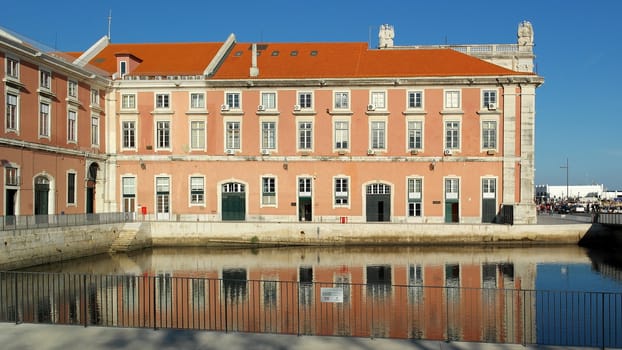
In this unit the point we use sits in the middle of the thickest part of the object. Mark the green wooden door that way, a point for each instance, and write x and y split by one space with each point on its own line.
378 203
233 202
489 200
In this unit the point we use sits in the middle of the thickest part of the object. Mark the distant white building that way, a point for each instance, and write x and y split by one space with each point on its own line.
585 193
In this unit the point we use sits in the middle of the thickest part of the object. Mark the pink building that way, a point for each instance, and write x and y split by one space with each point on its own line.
327 132
52 144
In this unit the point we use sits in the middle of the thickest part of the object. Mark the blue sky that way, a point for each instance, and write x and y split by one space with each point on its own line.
578 49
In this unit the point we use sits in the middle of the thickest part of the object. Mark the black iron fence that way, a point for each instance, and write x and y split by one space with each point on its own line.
447 313
20 222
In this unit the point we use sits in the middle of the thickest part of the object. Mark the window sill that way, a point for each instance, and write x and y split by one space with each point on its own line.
488 112
304 112
14 82
414 112
197 112
272 112
452 111
162 111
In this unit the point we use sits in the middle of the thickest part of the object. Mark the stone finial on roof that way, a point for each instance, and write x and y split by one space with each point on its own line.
525 33
385 36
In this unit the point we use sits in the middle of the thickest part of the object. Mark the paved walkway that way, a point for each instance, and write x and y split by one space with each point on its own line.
55 337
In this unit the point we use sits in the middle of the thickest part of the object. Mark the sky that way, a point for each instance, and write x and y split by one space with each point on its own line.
577 45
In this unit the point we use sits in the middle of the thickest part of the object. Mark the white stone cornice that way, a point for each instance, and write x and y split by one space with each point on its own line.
52 149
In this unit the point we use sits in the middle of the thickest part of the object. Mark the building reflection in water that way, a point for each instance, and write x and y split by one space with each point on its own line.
469 294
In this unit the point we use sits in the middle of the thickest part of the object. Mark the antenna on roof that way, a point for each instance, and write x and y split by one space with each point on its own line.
109 23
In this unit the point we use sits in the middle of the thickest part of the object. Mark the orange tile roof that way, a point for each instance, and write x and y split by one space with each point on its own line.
351 60
160 58
297 61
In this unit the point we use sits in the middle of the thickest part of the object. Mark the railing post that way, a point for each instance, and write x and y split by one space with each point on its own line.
602 325
86 301
16 301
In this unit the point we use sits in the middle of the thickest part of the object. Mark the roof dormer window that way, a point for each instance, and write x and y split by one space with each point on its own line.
122 68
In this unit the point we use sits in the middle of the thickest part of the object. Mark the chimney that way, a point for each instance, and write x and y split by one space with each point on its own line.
254 71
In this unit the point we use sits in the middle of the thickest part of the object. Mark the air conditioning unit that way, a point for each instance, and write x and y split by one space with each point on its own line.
491 152
447 152
371 107
414 152
297 107
265 152
492 106
224 107
230 152
371 152
261 108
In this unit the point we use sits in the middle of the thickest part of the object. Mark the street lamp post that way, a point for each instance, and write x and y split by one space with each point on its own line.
567 186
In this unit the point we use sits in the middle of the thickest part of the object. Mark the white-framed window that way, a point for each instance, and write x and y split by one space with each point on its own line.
72 125
377 134
233 100
128 101
44 119
122 68
12 111
197 190
452 134
452 99
128 192
415 134
95 130
305 135
378 99
268 135
71 188
489 98
268 190
12 68
342 193
342 134
489 188
414 197
72 89
304 187
11 176
268 100
129 134
342 100
233 135
197 100
163 134
45 79
489 134
452 188
305 99
197 134
95 97
415 99
162 101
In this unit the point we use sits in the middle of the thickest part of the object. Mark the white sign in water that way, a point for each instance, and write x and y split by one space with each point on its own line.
331 295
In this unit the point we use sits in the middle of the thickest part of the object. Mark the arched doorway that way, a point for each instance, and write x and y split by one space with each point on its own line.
42 193
233 201
91 180
378 202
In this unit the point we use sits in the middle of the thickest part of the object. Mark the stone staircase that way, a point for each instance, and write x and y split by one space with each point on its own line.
126 238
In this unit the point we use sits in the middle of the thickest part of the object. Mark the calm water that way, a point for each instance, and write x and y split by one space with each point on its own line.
538 295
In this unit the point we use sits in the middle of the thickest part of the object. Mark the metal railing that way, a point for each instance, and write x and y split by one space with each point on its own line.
21 222
608 218
491 315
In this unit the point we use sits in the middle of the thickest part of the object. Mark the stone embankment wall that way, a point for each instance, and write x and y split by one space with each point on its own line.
206 233
23 248
31 247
